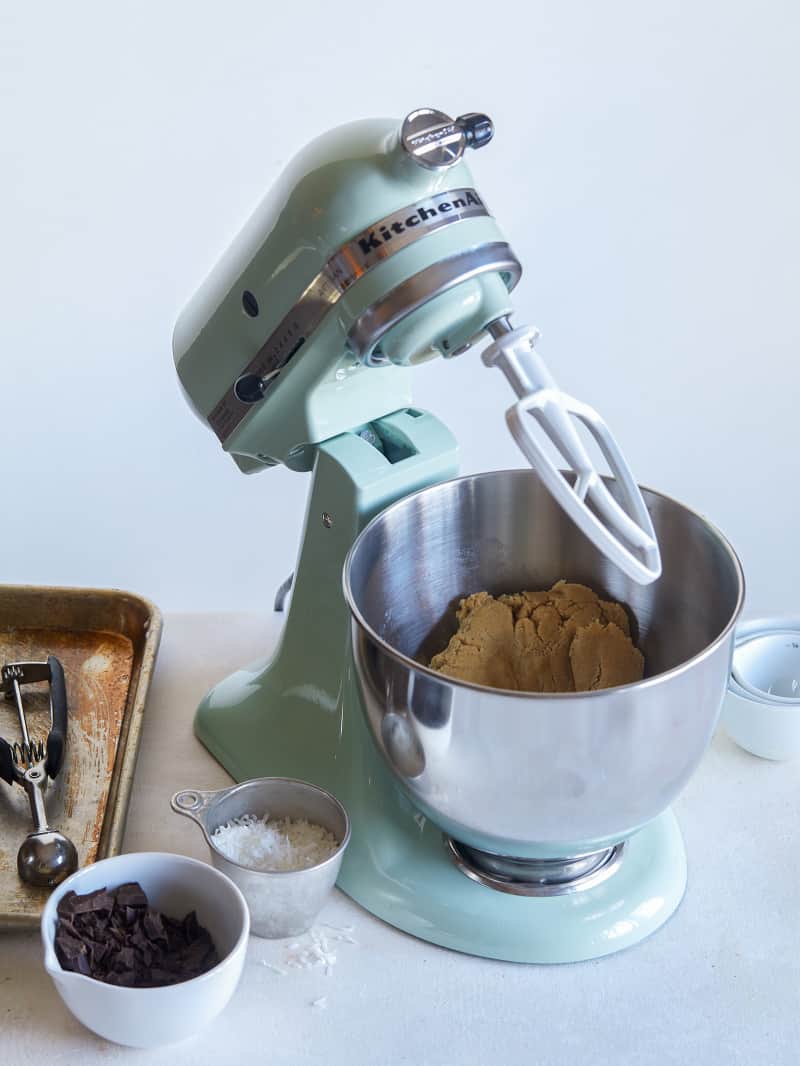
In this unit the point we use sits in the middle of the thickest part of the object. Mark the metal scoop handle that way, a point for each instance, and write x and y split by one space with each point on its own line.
624 534
14 675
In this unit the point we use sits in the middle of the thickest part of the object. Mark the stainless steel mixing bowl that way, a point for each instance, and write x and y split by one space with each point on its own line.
536 776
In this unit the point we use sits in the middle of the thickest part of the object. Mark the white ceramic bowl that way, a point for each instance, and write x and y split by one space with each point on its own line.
766 660
764 729
768 665
149 1017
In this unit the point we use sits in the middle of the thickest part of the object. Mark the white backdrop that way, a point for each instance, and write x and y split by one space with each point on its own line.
645 169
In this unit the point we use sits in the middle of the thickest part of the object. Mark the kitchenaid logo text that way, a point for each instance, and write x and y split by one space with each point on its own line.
432 136
429 214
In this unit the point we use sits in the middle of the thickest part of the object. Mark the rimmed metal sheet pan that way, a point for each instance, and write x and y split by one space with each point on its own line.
107 641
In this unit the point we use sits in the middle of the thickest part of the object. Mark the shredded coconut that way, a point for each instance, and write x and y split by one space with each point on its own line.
275 969
314 950
274 844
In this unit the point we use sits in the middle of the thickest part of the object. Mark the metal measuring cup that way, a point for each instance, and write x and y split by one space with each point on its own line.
282 903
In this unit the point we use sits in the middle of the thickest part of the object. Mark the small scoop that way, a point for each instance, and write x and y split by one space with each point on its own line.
622 532
45 856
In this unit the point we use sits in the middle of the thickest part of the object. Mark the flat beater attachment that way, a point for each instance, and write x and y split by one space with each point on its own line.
622 531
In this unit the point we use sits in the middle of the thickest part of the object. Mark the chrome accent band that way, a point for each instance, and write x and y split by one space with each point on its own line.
420 288
349 263
536 877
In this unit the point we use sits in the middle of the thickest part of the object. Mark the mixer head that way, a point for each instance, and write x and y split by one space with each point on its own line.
374 252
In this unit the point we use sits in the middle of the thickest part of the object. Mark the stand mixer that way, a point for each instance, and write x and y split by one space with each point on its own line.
512 825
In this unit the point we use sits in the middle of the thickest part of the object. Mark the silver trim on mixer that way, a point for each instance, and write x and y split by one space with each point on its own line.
349 263
368 329
536 877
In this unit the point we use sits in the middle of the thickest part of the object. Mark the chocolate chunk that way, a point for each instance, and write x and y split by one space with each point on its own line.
83 965
190 925
65 904
72 904
68 949
66 925
113 936
131 895
94 902
153 926
125 960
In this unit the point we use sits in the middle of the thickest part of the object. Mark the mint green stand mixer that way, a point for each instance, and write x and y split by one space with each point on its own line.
531 828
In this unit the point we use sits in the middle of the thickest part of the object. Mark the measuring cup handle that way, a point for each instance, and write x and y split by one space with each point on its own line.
193 803
57 737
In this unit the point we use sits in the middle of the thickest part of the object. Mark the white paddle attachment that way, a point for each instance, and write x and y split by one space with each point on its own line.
622 532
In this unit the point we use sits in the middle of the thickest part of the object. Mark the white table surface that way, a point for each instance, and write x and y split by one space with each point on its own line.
720 983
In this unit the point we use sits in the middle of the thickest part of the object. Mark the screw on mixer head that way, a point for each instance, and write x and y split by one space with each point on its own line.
436 141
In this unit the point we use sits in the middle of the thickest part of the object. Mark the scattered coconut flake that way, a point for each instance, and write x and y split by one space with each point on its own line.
274 844
314 950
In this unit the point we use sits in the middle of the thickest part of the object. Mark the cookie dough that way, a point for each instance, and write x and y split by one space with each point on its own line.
564 640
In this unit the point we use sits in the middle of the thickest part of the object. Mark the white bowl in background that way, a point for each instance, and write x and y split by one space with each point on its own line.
764 729
768 665
761 721
149 1017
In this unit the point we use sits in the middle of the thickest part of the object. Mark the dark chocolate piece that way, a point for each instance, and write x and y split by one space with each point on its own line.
131 895
71 904
114 936
153 926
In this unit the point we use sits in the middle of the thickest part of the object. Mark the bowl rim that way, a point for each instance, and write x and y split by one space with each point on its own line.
223 793
761 708
47 924
605 693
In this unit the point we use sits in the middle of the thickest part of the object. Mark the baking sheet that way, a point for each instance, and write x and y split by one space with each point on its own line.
107 642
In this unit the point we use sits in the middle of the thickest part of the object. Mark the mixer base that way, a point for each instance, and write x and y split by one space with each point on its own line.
410 881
